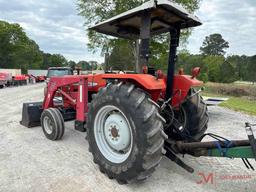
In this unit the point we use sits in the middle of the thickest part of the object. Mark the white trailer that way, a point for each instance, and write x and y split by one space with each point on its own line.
37 72
12 71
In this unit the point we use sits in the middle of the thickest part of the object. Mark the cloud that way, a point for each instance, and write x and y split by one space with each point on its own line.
53 24
235 20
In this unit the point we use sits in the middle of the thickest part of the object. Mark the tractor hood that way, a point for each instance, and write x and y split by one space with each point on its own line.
165 15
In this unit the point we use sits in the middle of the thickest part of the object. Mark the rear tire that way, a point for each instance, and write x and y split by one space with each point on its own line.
142 122
52 124
194 117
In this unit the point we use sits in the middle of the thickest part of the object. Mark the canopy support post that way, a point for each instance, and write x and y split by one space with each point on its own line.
145 40
174 43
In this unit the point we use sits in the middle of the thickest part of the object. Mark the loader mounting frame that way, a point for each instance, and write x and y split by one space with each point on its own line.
74 89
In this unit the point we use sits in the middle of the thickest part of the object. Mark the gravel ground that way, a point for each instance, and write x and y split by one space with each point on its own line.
30 162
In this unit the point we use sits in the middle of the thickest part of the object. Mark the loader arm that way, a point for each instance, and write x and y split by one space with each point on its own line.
79 99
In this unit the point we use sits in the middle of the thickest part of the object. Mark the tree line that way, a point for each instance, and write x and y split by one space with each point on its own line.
18 51
215 67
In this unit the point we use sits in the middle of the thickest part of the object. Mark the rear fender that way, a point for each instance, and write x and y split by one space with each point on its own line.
181 87
149 83
155 87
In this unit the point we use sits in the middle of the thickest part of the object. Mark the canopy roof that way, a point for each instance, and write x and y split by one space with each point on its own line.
165 14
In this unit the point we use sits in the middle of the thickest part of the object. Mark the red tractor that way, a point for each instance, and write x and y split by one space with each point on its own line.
132 120
129 116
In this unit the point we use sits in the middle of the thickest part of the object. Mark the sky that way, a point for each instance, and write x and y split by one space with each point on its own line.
57 28
235 20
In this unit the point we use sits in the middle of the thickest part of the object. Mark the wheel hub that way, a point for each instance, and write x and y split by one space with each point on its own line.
48 125
117 132
113 134
114 131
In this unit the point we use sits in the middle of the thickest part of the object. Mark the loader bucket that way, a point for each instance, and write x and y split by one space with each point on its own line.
31 114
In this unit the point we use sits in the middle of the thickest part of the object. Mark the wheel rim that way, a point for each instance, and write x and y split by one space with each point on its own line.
48 125
113 134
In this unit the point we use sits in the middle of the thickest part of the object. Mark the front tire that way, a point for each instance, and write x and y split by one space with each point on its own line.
52 123
125 115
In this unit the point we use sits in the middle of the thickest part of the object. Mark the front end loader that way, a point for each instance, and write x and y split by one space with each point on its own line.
133 120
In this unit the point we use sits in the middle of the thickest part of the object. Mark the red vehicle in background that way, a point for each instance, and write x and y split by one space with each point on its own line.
5 79
20 80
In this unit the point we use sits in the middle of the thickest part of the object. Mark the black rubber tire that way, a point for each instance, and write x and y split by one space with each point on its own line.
1 86
147 131
61 119
195 111
58 123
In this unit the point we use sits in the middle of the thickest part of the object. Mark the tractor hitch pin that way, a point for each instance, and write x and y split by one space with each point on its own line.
249 131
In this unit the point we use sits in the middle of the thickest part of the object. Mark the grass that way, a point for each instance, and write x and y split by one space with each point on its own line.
241 104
